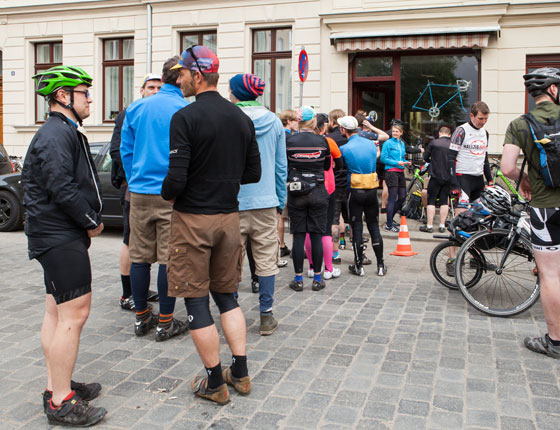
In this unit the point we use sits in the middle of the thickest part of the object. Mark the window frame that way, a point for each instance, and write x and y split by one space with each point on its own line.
44 66
271 55
120 63
199 33
536 62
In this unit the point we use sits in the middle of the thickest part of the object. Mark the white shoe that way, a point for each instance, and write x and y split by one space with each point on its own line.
282 263
310 273
334 274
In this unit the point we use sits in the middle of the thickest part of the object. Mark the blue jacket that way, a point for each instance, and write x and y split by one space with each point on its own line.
270 191
393 151
145 139
360 155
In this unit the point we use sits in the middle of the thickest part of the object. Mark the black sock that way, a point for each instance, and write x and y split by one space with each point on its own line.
239 366
552 341
215 378
126 289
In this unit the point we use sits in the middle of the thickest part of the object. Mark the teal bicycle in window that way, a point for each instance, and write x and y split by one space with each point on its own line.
435 107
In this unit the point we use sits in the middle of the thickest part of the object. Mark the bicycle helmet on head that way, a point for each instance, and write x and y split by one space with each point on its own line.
538 81
48 81
496 200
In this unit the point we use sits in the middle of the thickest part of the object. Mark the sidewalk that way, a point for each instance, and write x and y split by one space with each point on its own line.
399 352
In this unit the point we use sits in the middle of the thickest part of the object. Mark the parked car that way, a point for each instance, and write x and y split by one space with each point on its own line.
6 165
11 193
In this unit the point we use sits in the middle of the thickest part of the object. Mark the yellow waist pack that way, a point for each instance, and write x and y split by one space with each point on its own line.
364 181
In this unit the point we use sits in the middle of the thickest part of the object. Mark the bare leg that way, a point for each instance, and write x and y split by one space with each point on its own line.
207 342
50 320
124 260
443 211
235 330
431 212
549 275
65 342
384 195
281 230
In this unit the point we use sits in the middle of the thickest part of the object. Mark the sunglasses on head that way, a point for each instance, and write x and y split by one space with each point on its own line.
191 51
397 122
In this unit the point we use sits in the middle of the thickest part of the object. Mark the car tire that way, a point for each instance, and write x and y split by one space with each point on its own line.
11 212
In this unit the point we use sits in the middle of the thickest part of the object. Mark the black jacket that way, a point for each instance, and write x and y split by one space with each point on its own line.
62 194
340 174
117 171
437 154
213 150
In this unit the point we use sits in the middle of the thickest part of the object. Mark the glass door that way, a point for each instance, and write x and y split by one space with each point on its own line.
378 97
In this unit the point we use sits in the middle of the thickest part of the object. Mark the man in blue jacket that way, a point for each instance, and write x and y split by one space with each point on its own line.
145 158
259 203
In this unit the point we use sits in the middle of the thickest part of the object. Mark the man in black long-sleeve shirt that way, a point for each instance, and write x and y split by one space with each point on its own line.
213 149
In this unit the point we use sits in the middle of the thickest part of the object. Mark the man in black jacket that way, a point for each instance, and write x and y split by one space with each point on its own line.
63 203
213 149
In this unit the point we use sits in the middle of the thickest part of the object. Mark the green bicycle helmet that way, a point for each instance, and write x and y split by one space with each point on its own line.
47 81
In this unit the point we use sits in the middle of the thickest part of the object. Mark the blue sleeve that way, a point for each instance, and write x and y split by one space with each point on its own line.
127 146
281 170
385 157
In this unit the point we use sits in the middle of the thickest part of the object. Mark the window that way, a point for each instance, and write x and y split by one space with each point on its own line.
47 55
204 38
118 76
536 62
272 61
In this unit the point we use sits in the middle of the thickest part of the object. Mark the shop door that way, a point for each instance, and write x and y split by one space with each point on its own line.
378 97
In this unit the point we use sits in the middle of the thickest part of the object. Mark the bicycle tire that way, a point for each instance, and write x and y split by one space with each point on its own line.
509 293
438 266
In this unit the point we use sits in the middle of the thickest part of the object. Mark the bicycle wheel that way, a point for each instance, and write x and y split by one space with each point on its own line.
503 294
444 273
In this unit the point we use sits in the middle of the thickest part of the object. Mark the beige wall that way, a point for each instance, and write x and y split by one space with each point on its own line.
82 25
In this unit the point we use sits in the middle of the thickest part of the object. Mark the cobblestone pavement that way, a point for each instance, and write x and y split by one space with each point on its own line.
400 352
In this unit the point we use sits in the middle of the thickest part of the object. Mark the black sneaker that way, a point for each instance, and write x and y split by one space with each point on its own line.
356 270
337 259
442 229
381 269
542 345
426 229
84 391
296 285
75 412
255 286
365 261
393 229
177 327
450 267
318 285
153 296
143 327
284 251
127 304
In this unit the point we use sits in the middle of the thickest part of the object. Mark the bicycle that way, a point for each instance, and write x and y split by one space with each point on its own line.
505 257
412 206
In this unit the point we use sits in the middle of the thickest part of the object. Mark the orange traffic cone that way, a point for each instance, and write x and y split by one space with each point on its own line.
404 248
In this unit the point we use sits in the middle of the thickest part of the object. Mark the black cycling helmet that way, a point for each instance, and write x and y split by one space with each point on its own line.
538 81
496 200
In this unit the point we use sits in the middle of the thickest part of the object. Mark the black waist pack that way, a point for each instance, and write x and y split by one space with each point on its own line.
301 184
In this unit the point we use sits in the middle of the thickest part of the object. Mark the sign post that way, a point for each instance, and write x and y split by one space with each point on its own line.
303 68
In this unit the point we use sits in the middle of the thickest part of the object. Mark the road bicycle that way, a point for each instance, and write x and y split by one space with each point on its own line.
434 110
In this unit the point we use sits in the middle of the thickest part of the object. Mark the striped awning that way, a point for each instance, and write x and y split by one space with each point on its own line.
430 41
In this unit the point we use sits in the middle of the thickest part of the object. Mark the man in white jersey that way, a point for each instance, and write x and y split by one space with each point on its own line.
468 155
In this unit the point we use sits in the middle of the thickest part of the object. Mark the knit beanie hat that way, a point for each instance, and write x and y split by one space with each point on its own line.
246 86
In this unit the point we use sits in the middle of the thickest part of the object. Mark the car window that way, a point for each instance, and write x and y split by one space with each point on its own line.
3 153
95 149
105 164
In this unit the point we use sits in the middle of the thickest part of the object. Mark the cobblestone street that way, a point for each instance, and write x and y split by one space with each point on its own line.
399 352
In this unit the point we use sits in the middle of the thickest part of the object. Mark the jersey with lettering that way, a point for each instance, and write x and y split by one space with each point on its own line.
471 146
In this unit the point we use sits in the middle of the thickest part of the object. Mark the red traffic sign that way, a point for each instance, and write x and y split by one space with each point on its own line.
303 65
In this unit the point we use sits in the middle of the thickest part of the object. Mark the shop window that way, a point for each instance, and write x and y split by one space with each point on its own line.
536 62
47 55
203 38
272 62
118 76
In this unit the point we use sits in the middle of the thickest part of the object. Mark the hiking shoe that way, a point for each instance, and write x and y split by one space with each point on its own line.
143 327
75 412
426 229
255 286
177 327
542 345
127 304
337 259
393 229
356 270
296 285
318 285
450 267
199 386
84 391
310 273
334 274
282 263
153 296
365 261
381 269
284 251
241 385
442 229
268 325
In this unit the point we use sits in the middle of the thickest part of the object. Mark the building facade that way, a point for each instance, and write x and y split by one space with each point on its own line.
422 61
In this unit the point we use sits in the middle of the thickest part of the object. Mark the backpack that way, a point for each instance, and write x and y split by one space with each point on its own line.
547 141
413 208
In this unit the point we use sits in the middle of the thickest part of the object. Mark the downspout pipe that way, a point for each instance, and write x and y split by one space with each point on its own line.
149 39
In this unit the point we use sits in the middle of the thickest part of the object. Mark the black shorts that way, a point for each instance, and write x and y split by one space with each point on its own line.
67 270
340 206
308 214
395 179
438 189
330 215
471 187
545 229
126 222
